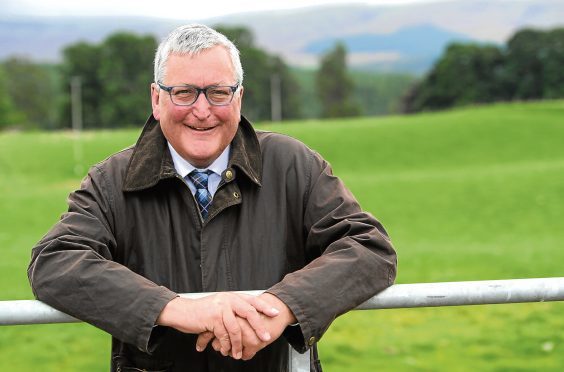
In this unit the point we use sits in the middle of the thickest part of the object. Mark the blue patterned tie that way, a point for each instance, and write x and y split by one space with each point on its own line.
203 196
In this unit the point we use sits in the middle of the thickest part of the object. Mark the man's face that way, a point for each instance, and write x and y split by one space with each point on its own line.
200 132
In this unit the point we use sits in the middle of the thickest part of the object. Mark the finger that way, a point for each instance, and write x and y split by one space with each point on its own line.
251 343
203 340
234 330
248 355
244 310
216 345
261 305
223 337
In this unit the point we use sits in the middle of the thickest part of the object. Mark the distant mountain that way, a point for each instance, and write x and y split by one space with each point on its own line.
290 33
421 39
397 38
43 38
415 48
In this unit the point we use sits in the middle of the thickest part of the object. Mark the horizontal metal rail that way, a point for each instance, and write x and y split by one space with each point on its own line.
484 292
397 296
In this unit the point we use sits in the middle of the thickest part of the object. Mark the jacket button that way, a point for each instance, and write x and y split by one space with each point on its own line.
311 341
236 195
229 175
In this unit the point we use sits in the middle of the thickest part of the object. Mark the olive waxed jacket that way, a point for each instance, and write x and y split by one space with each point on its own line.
133 238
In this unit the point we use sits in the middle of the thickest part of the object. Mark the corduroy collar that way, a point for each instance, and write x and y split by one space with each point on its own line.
151 160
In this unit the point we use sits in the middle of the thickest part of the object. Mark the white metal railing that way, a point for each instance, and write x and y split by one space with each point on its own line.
397 296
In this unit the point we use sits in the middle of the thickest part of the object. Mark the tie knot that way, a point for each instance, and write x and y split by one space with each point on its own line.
200 179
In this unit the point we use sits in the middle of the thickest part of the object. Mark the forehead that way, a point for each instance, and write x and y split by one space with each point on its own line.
210 66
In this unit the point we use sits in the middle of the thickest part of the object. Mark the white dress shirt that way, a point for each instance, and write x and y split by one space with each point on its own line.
183 168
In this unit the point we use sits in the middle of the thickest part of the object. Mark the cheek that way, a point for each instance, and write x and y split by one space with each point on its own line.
173 114
231 114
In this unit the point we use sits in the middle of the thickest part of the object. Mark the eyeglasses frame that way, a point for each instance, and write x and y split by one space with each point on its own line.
199 90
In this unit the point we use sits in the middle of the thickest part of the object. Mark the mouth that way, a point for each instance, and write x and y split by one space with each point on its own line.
200 129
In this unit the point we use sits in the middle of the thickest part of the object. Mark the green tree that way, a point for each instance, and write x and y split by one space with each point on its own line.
380 93
8 114
115 76
125 74
334 85
289 88
260 68
82 60
376 93
552 57
32 92
466 73
526 51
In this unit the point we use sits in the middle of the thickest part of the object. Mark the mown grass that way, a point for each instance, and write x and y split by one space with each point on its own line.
470 194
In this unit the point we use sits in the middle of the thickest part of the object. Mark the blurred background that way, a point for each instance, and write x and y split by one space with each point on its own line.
324 60
445 118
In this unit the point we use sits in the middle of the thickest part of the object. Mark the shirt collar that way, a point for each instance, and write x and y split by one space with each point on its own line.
183 167
151 161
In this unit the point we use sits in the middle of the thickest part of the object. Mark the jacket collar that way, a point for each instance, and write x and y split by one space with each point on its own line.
151 160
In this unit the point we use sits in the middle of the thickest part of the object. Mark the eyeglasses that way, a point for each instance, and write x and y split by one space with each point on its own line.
186 95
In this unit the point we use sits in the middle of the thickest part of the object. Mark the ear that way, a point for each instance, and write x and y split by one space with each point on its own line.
155 100
241 90
239 99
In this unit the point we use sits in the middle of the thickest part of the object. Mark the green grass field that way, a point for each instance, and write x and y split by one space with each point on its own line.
469 194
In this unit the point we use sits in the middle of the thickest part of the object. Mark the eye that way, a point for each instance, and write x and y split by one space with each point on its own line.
183 91
219 91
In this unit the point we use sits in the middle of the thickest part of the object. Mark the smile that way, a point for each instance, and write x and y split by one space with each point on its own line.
203 129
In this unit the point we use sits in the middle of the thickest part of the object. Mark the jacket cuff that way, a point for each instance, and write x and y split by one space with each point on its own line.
151 336
302 336
294 336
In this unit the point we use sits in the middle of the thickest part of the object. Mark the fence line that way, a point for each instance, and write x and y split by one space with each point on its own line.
397 296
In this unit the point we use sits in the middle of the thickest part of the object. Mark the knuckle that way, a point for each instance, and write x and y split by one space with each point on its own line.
250 313
224 337
232 327
216 316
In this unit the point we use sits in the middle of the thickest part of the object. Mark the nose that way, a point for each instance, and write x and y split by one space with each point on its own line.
201 108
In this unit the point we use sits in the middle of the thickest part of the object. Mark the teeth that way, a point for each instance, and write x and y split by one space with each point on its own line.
200 129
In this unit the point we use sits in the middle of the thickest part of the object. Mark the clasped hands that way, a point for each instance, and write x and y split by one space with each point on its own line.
236 324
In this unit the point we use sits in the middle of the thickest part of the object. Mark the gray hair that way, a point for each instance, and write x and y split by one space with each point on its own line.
192 39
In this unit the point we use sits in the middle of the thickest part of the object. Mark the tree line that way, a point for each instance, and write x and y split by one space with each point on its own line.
115 74
529 67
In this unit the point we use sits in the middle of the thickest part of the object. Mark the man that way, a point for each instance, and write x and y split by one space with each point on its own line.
203 203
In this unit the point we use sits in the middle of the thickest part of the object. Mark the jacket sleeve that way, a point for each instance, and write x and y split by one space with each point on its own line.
72 269
350 258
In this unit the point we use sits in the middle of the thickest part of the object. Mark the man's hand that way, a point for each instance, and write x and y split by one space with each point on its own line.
218 314
251 343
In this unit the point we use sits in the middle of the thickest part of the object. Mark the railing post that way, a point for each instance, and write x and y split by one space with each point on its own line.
298 362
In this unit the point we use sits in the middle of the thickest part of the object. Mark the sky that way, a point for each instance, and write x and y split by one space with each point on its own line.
184 9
